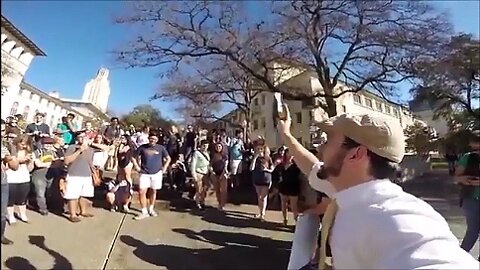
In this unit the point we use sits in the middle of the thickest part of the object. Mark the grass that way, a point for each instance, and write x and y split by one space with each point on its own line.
437 165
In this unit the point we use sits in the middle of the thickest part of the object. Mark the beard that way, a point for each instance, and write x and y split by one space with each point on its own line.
333 170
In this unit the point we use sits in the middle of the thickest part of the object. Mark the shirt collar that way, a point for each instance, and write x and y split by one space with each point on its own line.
365 192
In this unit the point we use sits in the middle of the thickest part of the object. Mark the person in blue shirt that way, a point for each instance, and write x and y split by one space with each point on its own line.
151 161
237 148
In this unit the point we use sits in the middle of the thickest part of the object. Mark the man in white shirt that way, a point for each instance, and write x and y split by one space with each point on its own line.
377 224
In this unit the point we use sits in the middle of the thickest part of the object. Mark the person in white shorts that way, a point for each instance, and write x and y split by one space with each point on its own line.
79 184
151 161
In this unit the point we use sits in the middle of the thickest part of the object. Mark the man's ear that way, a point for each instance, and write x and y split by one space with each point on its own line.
357 154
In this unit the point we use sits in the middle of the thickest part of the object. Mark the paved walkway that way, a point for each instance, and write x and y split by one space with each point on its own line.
176 239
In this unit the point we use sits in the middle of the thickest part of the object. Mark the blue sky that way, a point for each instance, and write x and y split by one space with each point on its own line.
77 36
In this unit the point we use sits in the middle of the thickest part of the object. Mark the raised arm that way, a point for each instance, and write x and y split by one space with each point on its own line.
72 153
304 158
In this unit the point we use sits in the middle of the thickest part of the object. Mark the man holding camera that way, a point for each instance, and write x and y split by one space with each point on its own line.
376 225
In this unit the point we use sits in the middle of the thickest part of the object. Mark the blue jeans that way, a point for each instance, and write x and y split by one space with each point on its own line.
472 214
42 189
4 206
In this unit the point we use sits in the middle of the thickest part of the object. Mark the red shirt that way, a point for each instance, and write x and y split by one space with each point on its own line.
90 134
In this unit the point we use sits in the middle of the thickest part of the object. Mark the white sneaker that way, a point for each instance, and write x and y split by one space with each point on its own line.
153 213
141 216
12 220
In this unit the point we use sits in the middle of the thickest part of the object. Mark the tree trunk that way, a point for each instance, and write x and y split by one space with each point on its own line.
247 127
331 108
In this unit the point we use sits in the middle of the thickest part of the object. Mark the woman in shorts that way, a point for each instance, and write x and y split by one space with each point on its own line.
219 175
200 169
124 155
262 168
289 186
19 180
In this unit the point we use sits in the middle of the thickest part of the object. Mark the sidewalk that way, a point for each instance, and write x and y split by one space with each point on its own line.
53 242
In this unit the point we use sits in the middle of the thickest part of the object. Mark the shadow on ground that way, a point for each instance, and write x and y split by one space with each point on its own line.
237 251
234 219
17 263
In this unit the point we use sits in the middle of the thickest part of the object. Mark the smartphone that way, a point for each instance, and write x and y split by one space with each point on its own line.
279 112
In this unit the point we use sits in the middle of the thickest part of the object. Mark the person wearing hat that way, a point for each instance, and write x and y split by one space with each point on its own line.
38 129
371 222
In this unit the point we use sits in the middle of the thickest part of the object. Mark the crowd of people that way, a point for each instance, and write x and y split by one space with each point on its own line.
66 165
366 220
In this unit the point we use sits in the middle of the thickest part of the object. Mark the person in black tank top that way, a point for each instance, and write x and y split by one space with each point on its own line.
219 176
124 156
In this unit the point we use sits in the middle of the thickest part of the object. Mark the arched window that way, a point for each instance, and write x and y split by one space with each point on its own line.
26 110
14 108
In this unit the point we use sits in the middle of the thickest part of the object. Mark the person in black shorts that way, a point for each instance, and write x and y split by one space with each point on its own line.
219 177
262 168
289 186
125 153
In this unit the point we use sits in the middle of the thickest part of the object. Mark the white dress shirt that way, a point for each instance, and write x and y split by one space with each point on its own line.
379 226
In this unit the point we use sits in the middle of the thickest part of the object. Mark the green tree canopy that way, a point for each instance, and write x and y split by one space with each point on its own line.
420 139
146 114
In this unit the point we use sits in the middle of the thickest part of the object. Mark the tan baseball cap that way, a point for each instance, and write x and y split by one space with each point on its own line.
381 136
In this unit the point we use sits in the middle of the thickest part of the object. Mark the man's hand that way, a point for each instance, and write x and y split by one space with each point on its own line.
284 126
62 186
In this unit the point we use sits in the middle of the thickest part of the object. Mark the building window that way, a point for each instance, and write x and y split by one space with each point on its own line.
20 90
395 112
31 95
255 124
344 108
378 105
263 99
357 99
264 124
14 108
387 109
255 102
298 115
52 121
368 103
26 110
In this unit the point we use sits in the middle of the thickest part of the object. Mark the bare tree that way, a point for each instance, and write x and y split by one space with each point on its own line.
204 91
365 44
